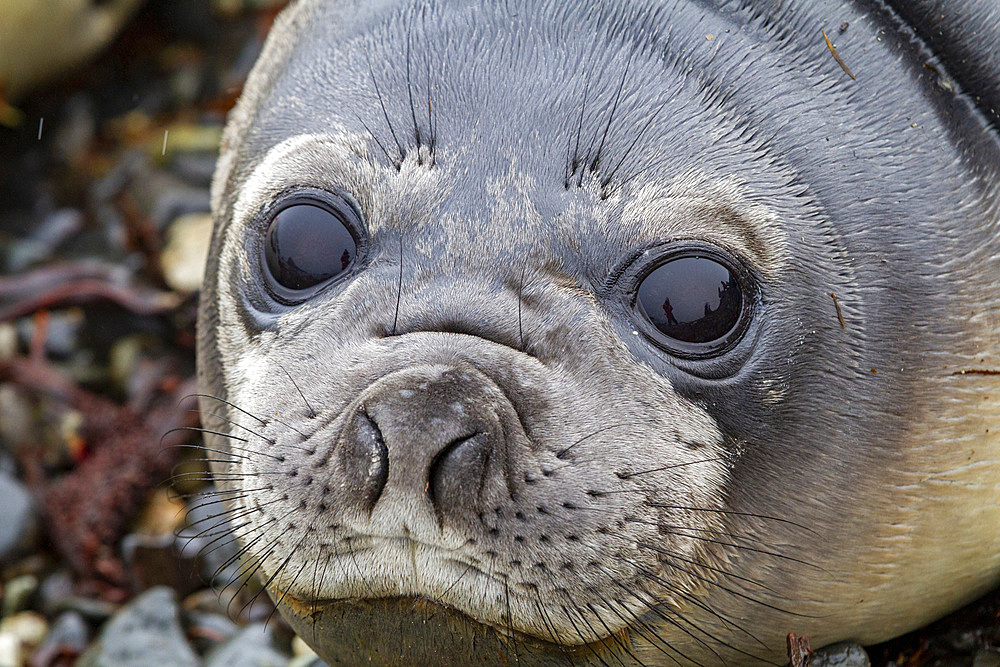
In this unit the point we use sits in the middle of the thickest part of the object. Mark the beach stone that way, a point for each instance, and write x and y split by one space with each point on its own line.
18 519
208 630
844 654
254 646
67 639
145 632
183 258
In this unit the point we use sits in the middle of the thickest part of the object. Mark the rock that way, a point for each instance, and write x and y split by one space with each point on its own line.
17 593
208 534
156 560
55 590
67 639
183 258
39 246
253 647
92 609
207 630
18 520
145 632
186 138
303 656
17 424
40 39
10 651
986 658
62 332
8 340
29 627
844 654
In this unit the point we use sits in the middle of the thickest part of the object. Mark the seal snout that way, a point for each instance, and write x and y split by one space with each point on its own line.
427 437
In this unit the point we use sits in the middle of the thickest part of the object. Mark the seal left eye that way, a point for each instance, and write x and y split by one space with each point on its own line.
308 244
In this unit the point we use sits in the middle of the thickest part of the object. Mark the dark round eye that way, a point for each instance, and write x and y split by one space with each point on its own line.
309 243
695 302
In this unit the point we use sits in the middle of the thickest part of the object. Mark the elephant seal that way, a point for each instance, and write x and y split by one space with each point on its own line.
608 333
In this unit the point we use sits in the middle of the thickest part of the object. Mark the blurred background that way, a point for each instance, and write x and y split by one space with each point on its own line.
110 554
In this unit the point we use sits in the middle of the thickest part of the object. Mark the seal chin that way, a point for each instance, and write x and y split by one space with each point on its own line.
416 630
441 581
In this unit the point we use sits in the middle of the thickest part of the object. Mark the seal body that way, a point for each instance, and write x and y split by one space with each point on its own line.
470 436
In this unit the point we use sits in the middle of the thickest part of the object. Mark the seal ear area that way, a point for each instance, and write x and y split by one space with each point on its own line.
305 242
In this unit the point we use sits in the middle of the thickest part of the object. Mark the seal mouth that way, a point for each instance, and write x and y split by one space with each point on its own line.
386 552
430 598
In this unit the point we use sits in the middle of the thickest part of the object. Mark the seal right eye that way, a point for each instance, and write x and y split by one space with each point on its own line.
309 243
695 303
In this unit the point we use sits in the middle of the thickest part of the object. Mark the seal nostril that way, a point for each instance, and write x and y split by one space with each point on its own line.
365 458
454 467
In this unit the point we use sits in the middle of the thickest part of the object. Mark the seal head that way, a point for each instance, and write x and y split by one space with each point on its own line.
631 333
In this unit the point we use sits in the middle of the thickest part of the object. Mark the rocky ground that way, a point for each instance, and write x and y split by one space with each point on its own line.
109 554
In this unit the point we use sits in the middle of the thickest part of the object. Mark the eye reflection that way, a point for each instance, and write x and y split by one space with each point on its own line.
307 243
692 299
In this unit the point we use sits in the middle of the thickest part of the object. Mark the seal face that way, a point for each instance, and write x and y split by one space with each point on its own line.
631 334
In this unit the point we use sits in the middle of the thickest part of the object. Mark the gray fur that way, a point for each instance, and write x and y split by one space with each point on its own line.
839 482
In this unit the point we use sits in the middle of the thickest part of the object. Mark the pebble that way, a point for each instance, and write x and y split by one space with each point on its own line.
207 630
62 332
254 646
183 258
38 247
93 609
67 639
10 651
147 631
207 534
55 590
8 340
17 594
303 656
844 654
17 424
29 627
18 519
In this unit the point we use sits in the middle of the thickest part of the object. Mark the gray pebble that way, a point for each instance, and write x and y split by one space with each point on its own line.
53 230
252 647
145 632
69 635
844 654
209 630
18 519
207 534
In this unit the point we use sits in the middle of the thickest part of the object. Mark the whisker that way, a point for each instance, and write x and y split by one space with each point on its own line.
270 441
392 131
614 108
254 417
388 157
561 454
630 475
607 179
312 413
399 288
